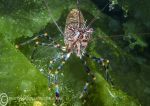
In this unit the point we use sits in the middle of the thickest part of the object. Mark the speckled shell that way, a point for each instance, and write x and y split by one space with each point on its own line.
74 19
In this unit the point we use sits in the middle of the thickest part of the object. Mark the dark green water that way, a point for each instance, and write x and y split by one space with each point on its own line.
123 40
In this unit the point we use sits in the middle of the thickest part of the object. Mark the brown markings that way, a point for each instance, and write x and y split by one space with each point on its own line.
73 21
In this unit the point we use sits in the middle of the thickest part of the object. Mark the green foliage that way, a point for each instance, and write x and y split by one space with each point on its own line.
19 77
25 17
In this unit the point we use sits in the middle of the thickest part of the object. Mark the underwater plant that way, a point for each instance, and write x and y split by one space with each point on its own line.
40 77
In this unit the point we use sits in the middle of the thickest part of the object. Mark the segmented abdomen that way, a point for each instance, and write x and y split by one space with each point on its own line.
74 20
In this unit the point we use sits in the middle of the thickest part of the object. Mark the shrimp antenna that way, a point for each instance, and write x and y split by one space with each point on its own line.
94 19
91 22
78 7
49 11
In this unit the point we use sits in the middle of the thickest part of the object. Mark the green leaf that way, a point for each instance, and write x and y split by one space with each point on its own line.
18 76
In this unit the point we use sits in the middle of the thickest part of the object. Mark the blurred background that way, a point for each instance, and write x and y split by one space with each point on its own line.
121 34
